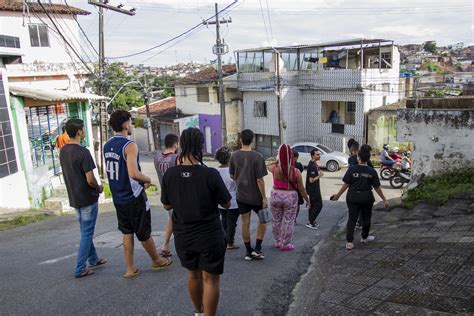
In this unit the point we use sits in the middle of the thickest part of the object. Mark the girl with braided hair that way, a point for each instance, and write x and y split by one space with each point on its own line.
287 181
194 192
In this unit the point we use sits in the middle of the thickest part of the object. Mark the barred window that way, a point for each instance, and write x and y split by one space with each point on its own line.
260 109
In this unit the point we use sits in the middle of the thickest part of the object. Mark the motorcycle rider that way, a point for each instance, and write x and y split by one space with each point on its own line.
385 157
395 155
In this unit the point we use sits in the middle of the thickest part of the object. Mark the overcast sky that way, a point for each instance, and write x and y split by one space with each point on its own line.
258 23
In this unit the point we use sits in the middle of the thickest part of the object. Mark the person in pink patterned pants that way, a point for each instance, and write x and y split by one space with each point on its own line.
287 180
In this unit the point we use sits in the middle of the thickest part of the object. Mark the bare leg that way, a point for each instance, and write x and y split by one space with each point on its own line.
128 243
196 289
149 246
261 231
169 230
211 293
246 227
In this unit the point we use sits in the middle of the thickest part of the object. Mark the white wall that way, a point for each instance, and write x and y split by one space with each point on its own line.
443 139
11 23
189 104
260 125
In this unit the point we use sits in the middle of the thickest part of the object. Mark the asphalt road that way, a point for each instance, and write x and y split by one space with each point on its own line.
37 269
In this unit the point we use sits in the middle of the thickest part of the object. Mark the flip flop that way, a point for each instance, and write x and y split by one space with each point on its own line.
100 262
165 265
165 253
134 274
85 273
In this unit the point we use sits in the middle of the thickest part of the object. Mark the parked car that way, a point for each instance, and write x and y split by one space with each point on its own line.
330 159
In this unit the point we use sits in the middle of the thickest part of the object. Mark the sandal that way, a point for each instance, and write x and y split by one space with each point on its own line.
100 262
289 247
165 253
134 274
349 245
85 273
162 266
232 246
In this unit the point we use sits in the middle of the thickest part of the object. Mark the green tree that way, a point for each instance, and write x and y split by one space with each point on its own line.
164 84
430 47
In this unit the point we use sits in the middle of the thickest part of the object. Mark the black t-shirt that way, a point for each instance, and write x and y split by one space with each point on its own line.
76 161
361 178
299 166
312 171
353 161
194 192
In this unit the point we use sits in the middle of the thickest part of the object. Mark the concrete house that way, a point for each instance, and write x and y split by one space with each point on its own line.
315 93
41 84
197 97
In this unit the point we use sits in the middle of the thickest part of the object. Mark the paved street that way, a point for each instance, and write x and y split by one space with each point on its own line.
38 262
421 263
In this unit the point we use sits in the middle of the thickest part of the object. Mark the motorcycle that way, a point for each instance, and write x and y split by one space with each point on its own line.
400 177
387 171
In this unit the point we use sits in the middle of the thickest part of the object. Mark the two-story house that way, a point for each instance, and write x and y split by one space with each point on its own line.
197 97
317 93
41 87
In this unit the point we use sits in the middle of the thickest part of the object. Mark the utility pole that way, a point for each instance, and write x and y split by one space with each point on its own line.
220 49
149 129
103 127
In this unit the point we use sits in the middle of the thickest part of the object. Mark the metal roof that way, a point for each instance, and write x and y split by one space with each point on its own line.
52 95
352 42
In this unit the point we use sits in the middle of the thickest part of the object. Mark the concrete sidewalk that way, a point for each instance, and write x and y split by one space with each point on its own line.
422 262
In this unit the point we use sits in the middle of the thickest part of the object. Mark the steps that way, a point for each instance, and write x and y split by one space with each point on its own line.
58 202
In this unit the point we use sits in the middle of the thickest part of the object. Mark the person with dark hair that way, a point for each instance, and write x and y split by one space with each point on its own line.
194 192
360 179
248 169
83 191
164 160
313 176
62 139
287 181
229 216
354 149
300 167
127 184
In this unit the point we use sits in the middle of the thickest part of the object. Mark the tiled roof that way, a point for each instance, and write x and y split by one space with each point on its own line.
207 75
15 5
160 107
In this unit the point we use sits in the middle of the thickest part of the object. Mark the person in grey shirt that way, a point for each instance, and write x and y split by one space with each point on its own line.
164 160
248 169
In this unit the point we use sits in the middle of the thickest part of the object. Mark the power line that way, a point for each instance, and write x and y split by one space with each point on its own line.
269 20
174 38
264 22
82 31
64 38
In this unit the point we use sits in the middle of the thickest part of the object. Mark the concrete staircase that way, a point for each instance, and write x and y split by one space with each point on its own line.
58 202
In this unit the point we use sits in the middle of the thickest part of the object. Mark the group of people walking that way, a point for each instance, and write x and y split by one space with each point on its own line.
203 203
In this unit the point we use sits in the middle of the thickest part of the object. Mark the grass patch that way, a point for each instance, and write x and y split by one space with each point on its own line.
438 189
22 220
107 192
150 191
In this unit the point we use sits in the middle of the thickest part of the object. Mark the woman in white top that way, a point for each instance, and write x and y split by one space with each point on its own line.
229 216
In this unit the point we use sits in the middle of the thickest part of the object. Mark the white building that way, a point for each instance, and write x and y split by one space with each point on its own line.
317 93
198 94
41 83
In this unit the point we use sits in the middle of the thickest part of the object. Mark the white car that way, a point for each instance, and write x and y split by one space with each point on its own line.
330 159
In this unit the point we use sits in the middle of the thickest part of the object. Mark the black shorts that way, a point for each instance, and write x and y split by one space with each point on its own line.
134 218
210 259
245 208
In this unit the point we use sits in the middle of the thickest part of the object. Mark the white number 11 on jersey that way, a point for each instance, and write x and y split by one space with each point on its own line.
112 168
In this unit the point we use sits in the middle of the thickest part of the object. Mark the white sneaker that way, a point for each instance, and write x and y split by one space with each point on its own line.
311 226
198 314
369 238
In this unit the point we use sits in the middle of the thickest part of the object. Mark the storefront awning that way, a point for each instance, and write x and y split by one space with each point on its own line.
40 97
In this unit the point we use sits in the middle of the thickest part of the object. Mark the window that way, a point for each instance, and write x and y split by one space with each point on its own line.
8 163
260 109
9 41
386 62
183 92
350 113
39 35
300 149
203 94
324 149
